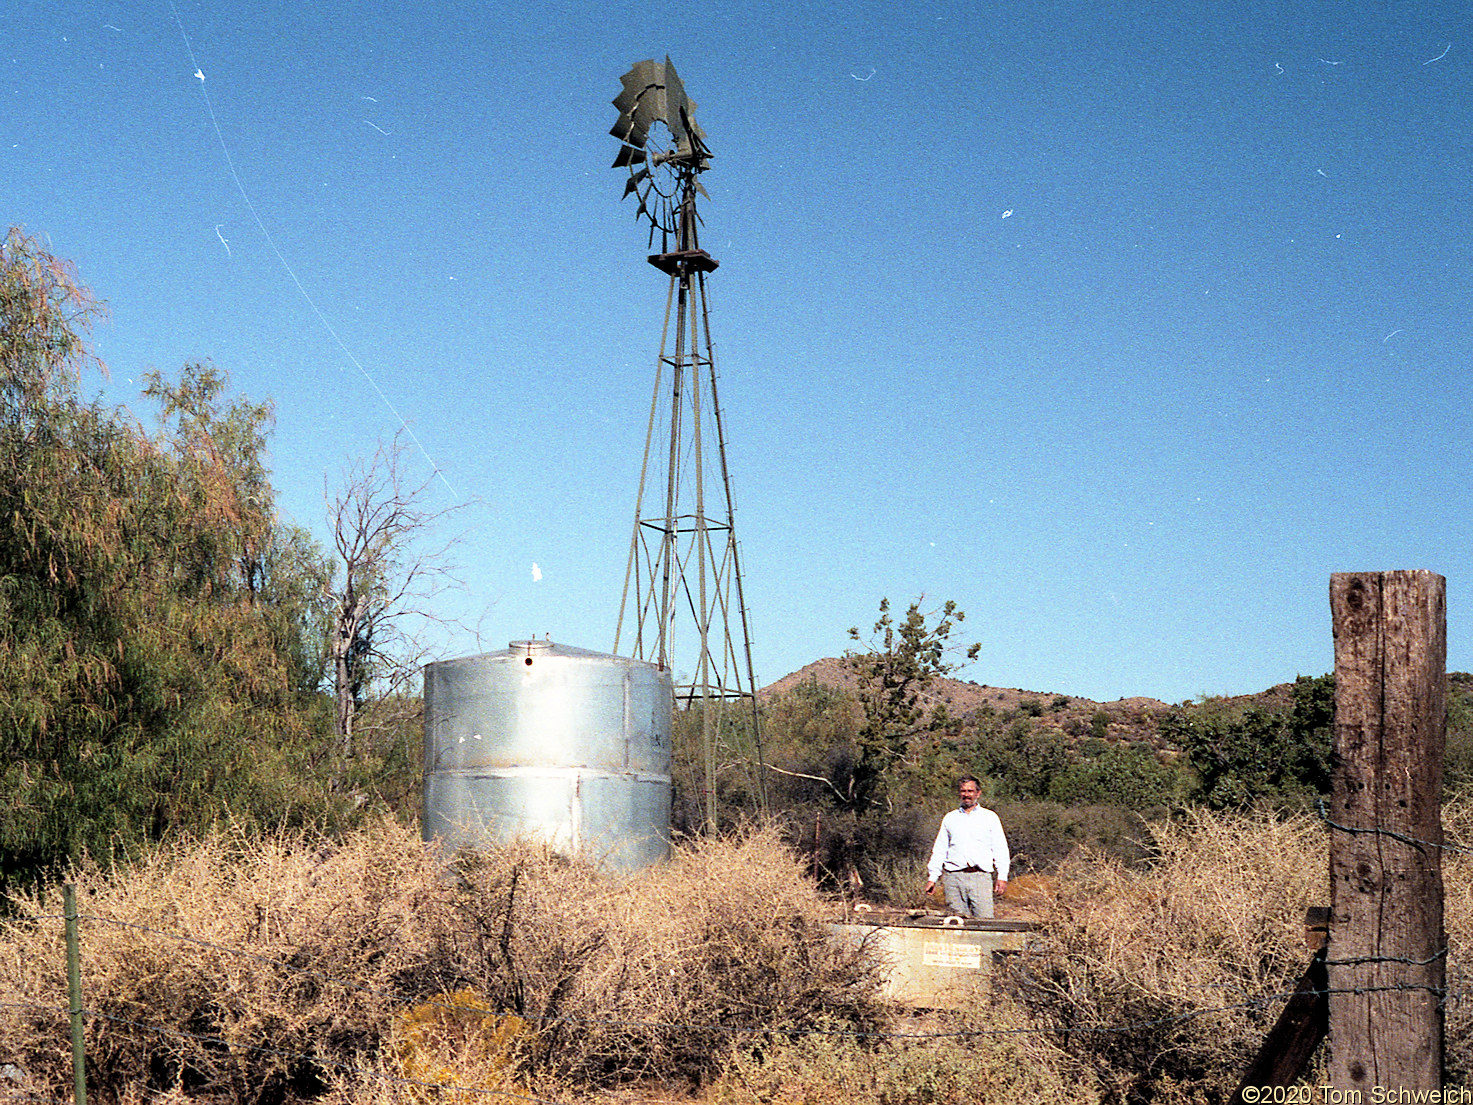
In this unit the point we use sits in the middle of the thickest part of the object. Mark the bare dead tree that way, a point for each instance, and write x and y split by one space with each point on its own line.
389 568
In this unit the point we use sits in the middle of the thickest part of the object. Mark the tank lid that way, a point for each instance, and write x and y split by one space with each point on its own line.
533 647
521 652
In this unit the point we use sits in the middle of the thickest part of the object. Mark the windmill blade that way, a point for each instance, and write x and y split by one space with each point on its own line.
633 182
677 107
680 117
695 128
628 155
695 146
640 103
653 92
661 177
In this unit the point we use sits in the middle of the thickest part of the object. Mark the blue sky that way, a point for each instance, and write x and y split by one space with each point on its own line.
1218 350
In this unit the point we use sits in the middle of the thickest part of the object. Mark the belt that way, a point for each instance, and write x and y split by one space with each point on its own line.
972 870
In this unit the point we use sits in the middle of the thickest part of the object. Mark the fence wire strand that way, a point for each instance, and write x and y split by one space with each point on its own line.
601 1022
1377 830
1445 995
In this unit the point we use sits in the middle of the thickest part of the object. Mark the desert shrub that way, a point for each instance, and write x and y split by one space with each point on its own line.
1042 835
1457 761
728 937
459 1019
1161 980
801 728
1021 760
648 977
1242 756
872 856
1457 881
899 878
224 959
1163 976
367 971
883 859
1002 1063
269 969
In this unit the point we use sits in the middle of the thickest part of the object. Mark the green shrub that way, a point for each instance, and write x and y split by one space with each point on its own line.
1242 755
1127 775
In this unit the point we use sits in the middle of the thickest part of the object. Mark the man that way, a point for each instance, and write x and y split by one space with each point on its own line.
970 850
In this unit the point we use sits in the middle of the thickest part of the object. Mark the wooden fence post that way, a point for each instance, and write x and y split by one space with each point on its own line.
1387 951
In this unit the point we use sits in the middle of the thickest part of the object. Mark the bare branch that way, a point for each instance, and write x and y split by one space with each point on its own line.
816 778
386 579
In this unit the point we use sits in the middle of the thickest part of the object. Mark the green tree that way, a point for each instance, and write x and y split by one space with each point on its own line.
809 732
1123 774
895 669
149 676
1457 770
1021 760
1244 755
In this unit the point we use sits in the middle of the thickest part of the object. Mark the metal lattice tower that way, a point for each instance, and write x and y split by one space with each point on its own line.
683 606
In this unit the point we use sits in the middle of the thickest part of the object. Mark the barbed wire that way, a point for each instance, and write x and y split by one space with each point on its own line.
321 976
1256 1003
35 1005
1262 1001
1361 960
344 1067
1377 830
624 1023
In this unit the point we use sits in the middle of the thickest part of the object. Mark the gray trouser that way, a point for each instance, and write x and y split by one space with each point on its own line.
968 893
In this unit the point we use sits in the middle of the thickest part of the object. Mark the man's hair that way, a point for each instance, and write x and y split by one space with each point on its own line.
970 779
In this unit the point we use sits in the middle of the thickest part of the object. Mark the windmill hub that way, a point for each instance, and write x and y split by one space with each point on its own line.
663 149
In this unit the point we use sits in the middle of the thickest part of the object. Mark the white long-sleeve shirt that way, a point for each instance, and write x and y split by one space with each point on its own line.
970 838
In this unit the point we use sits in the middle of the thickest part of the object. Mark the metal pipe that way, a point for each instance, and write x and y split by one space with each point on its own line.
74 992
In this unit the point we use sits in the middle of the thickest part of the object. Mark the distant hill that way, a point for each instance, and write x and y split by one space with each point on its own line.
1128 719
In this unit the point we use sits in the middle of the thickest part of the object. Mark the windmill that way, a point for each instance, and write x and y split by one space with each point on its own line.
682 606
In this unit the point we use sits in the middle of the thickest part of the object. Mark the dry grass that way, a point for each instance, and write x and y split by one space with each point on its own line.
1160 979
291 947
367 971
1164 979
346 971
1005 1062
1457 882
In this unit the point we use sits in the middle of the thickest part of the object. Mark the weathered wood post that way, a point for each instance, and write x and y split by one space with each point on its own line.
1387 951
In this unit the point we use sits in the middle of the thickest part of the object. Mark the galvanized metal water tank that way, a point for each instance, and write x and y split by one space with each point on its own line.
561 743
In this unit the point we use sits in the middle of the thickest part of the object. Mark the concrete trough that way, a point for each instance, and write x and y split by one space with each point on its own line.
934 962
